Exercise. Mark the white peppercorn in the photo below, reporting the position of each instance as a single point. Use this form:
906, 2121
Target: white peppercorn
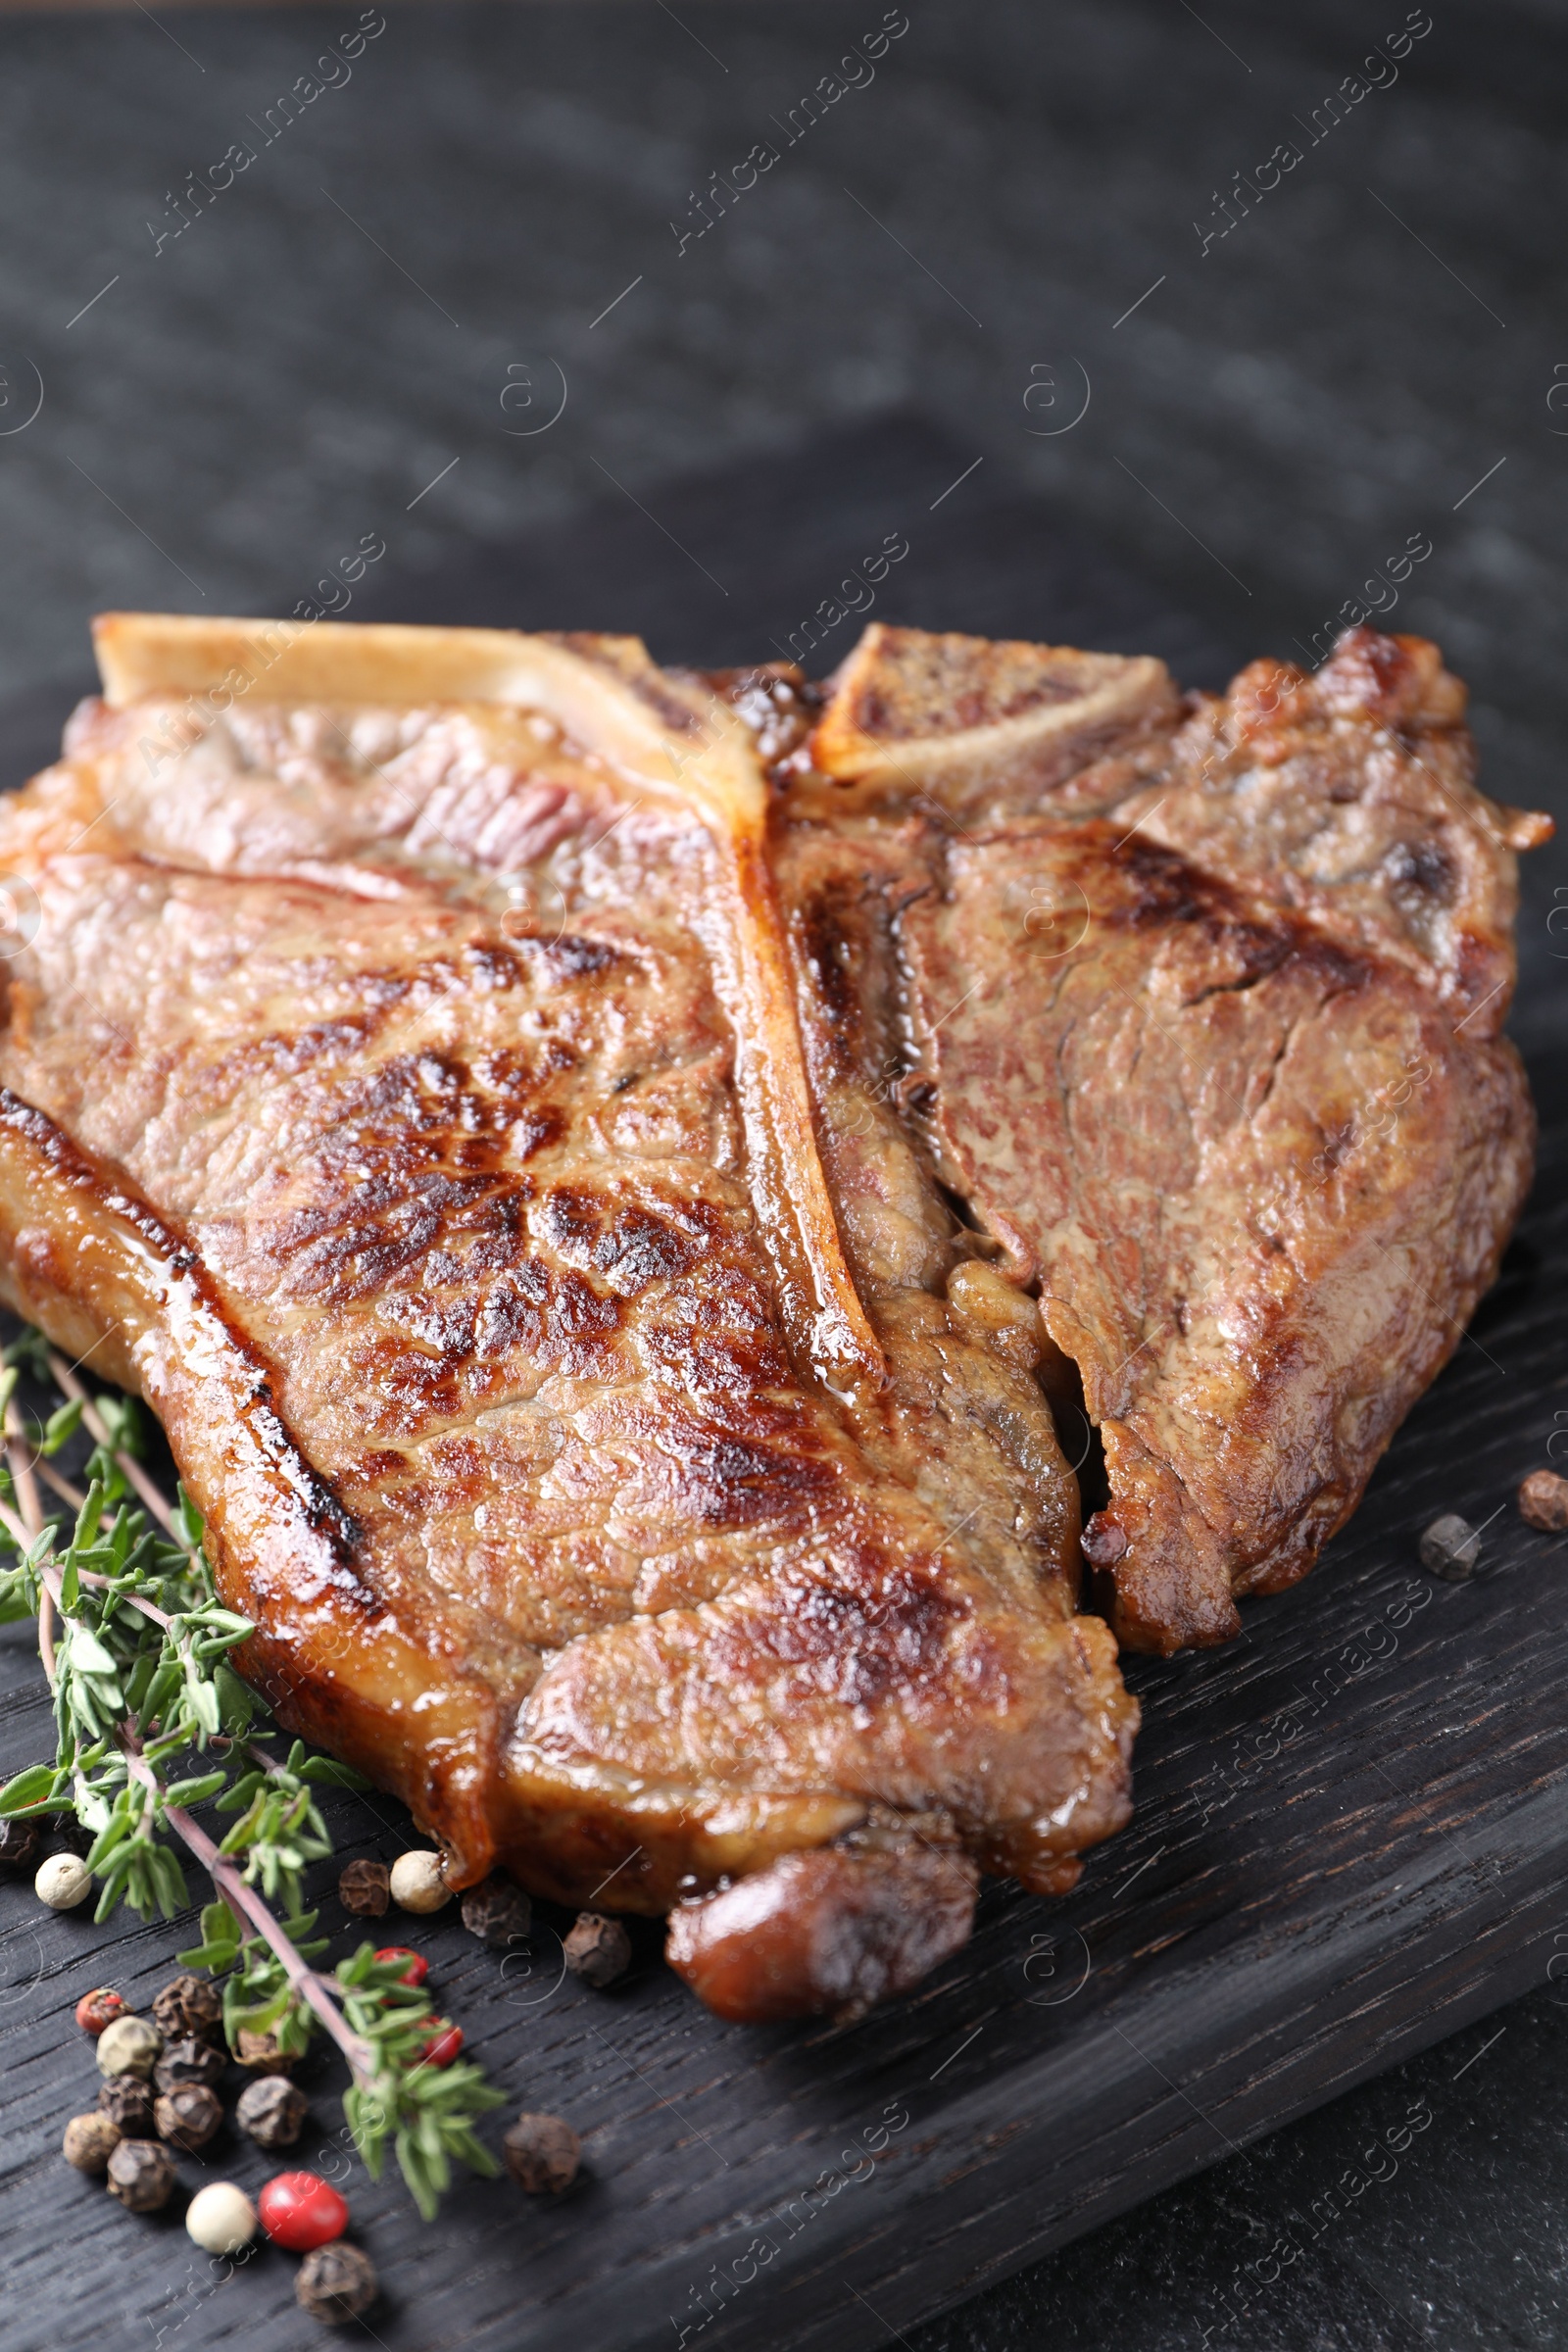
220, 2218
63, 1882
416, 1882
129, 2047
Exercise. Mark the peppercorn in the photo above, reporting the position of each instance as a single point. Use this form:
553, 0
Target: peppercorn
127, 2101
1450, 1548
364, 1888
542, 2153
336, 2282
63, 1882
497, 1912
189, 2005
141, 2174
271, 2111
598, 1950
18, 1845
301, 2210
261, 2053
90, 2141
190, 2061
188, 2115
1542, 1501
416, 1882
100, 2008
70, 1836
419, 1967
220, 2218
442, 2049
129, 2047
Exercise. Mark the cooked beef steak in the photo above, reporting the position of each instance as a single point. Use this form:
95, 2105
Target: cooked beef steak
1203, 1024
610, 1179
406, 1093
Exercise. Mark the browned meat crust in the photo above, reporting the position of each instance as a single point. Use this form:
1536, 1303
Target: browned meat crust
838, 1929
604, 1176
401, 1100
1204, 1025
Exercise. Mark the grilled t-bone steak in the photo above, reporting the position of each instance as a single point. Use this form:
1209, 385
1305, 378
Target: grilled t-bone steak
599, 1172
405, 1094
1201, 1015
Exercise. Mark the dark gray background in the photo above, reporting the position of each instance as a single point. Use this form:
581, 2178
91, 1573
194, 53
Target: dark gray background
1271, 423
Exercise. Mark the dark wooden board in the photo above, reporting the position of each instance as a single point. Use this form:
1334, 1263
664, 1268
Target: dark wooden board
1351, 1831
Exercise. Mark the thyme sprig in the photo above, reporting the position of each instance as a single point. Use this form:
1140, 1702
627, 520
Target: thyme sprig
135, 1643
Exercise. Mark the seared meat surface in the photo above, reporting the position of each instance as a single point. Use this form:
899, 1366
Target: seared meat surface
396, 1099
605, 1176
1202, 1024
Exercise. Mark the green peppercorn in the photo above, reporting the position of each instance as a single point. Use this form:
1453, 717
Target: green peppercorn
129, 2047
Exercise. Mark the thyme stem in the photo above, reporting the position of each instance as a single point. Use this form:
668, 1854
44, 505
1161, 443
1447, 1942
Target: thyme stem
126, 1464
242, 1898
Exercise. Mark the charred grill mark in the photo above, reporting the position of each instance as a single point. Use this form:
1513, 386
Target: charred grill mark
691, 1469
447, 1353
858, 1643
347, 1250
569, 958
627, 1243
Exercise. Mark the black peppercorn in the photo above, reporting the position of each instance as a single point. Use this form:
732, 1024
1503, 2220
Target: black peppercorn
497, 1912
189, 2061
365, 1889
542, 2153
271, 2111
335, 2282
69, 1837
127, 2101
141, 2174
1450, 1548
261, 2053
18, 1845
598, 1950
188, 2116
190, 2005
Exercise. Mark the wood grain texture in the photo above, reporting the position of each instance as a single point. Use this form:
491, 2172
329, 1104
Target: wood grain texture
1351, 1838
